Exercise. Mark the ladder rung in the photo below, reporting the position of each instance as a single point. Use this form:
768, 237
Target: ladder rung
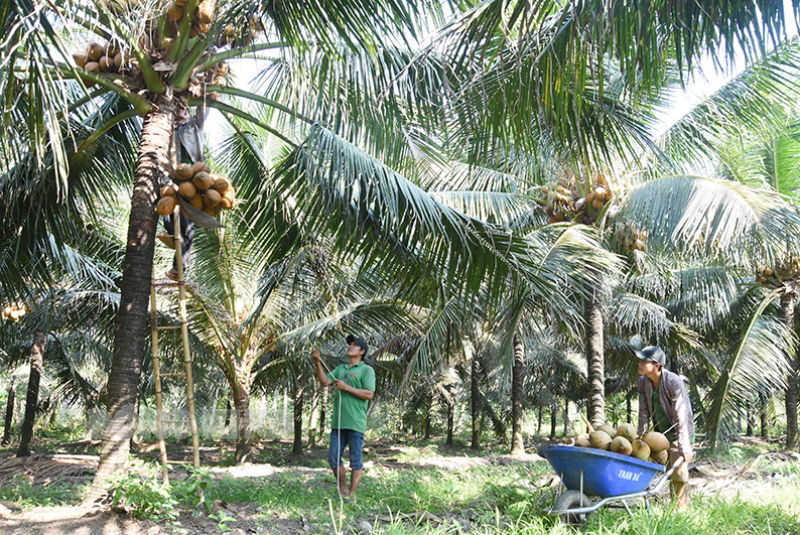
180, 283
179, 462
168, 327
174, 421
172, 375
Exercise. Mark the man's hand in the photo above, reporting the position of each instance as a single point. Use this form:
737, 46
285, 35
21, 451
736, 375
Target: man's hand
341, 385
315, 354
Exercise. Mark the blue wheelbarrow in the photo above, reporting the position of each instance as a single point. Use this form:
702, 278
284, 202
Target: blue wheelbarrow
611, 477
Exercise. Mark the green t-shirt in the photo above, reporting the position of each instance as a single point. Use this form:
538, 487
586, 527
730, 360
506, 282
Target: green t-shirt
659, 414
353, 413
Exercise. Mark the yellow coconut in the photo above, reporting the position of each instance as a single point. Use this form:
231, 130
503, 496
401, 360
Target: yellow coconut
661, 457
211, 198
608, 429
599, 193
621, 445
583, 442
202, 181
106, 63
225, 203
640, 449
598, 439
222, 184
173, 12
200, 167
80, 59
197, 202
597, 203
94, 51
167, 191
205, 11
628, 431
222, 69
187, 190
92, 66
166, 206
183, 171
656, 441
118, 60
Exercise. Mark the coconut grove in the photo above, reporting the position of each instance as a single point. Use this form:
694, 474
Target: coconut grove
558, 238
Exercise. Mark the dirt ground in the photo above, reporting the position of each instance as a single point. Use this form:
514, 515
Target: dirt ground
706, 478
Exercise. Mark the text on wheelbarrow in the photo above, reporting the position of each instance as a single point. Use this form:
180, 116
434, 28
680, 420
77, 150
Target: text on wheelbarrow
630, 476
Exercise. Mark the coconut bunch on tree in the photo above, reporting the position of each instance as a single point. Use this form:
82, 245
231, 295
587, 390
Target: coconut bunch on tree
195, 185
651, 446
13, 311
784, 271
111, 57
576, 200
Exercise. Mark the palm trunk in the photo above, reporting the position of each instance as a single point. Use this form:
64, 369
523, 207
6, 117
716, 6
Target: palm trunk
9, 421
539, 421
323, 409
312, 421
595, 359
241, 402
297, 444
787, 311
32, 400
553, 420
132, 315
476, 404
629, 407
764, 406
427, 426
228, 409
566, 417
450, 413
517, 444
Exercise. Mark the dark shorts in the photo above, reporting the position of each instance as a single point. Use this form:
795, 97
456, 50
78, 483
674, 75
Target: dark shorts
340, 439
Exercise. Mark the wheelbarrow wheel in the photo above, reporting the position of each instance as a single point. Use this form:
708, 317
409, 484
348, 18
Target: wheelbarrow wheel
572, 499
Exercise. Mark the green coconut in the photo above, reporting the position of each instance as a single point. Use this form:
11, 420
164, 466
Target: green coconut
598, 439
628, 431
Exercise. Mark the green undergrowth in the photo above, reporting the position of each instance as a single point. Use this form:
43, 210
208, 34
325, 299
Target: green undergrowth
19, 491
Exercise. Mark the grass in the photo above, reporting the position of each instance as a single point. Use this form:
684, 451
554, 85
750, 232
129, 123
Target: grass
19, 491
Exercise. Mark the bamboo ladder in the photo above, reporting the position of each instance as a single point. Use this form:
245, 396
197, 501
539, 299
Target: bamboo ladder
187, 357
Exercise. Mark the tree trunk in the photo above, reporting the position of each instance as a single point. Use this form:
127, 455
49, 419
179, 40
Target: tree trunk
787, 311
297, 444
751, 419
553, 419
323, 409
539, 421
9, 421
595, 358
566, 417
450, 413
476, 404
241, 402
629, 407
132, 315
517, 444
285, 425
32, 400
312, 421
228, 408
764, 406
427, 425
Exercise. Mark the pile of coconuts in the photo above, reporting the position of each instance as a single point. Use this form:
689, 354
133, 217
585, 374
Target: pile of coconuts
563, 201
198, 187
652, 446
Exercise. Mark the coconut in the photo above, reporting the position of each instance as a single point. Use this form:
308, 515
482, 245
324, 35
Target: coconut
220, 81
187, 190
598, 439
94, 51
599, 193
583, 443
211, 198
92, 66
202, 180
106, 63
639, 245
640, 449
222, 184
559, 215
597, 203
551, 220
608, 195
225, 203
205, 11
661, 457
548, 209
173, 12
183, 171
608, 429
167, 191
197, 202
628, 431
80, 59
222, 69
166, 206
118, 60
656, 441
621, 445
199, 167
580, 204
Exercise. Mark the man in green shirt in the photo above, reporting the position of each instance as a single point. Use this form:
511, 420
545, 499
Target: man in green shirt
664, 407
355, 384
